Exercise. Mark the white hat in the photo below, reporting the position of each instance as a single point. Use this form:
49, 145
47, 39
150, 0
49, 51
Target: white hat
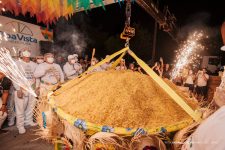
71, 57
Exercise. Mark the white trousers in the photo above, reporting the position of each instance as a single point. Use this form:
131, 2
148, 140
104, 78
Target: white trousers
24, 109
2, 116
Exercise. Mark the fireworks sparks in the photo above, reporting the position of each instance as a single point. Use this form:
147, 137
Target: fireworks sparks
188, 53
11, 70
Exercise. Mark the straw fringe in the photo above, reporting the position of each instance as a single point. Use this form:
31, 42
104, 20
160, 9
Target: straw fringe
75, 135
106, 140
182, 135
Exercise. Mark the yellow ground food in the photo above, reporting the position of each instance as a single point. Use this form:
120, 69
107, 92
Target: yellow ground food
120, 99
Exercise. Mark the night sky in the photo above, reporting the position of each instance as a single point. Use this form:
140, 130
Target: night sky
101, 28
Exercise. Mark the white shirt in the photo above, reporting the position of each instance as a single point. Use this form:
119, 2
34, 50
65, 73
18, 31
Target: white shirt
210, 134
70, 71
28, 68
201, 80
189, 80
50, 73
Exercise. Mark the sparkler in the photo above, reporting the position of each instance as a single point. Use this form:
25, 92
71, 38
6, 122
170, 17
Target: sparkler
11, 70
188, 53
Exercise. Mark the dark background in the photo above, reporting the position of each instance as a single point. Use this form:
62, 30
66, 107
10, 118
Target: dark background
101, 29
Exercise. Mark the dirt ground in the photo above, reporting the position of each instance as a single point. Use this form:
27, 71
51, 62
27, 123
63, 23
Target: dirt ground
12, 140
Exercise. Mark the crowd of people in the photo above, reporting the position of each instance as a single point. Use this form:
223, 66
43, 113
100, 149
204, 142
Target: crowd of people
196, 81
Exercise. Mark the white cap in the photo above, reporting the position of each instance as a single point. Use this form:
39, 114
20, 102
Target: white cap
71, 57
107, 56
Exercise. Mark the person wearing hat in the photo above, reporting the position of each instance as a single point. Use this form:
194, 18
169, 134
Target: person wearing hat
50, 74
71, 68
24, 101
78, 67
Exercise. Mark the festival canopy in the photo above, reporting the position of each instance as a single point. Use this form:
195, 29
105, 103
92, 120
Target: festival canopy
48, 11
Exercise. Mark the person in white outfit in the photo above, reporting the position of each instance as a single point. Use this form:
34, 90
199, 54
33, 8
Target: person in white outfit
39, 60
189, 82
202, 79
72, 68
50, 74
5, 84
24, 101
77, 65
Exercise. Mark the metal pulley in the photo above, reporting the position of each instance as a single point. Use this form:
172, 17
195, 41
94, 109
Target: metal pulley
128, 32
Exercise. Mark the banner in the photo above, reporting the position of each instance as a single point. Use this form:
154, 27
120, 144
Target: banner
16, 35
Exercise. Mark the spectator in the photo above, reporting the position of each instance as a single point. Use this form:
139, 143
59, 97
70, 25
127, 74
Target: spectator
189, 82
50, 74
131, 67
77, 65
5, 84
122, 65
178, 80
83, 64
87, 62
167, 72
140, 70
24, 101
202, 79
69, 68
157, 69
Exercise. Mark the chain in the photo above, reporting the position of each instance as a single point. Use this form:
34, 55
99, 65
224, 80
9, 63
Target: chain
128, 16
127, 44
